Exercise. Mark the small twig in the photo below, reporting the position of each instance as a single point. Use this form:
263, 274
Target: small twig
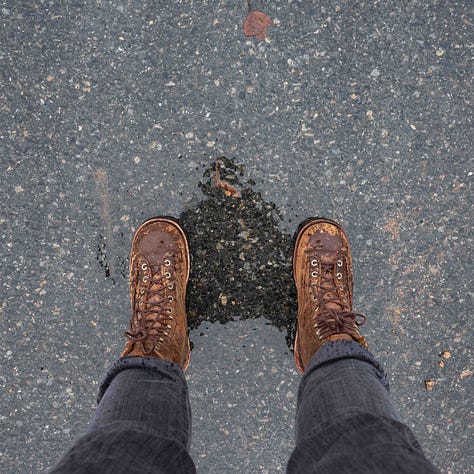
226, 186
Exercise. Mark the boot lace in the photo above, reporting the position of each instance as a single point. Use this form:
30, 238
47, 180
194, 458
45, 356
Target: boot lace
151, 317
329, 320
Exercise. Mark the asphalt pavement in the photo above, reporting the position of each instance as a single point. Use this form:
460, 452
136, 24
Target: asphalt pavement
116, 111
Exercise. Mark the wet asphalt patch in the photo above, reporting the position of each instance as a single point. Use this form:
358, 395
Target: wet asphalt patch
241, 264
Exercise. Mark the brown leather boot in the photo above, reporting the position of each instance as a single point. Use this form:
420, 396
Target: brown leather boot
159, 271
322, 269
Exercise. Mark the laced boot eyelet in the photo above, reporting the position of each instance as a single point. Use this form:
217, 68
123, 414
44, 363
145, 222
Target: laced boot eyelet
314, 274
339, 263
339, 276
167, 275
170, 298
145, 279
314, 262
170, 286
144, 266
167, 263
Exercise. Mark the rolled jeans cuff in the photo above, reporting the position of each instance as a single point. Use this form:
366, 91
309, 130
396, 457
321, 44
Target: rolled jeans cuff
338, 350
163, 368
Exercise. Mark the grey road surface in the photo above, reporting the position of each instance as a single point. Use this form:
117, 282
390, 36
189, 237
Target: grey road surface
114, 111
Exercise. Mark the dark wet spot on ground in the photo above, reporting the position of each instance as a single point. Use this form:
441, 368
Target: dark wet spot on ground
241, 262
102, 257
120, 262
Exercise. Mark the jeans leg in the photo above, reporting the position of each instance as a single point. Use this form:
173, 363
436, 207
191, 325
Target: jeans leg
346, 421
142, 423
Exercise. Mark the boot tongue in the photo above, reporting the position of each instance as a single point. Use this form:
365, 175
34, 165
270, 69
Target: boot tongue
330, 243
327, 260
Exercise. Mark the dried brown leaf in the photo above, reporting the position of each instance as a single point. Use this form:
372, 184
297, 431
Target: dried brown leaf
256, 24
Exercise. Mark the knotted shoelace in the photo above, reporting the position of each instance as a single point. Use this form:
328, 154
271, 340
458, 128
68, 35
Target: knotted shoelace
331, 321
150, 321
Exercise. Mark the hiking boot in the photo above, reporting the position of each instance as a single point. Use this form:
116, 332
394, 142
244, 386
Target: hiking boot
322, 269
159, 271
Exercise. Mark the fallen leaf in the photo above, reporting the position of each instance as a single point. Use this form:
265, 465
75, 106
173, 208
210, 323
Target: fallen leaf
256, 24
466, 373
222, 184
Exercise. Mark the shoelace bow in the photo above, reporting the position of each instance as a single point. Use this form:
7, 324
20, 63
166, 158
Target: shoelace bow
331, 321
150, 320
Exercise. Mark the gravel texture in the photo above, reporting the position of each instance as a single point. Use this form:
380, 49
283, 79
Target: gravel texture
115, 111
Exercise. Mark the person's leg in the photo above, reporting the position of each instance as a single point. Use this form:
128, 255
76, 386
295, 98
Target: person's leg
345, 421
143, 421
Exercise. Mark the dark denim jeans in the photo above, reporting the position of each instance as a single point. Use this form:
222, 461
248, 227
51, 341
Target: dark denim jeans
345, 420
